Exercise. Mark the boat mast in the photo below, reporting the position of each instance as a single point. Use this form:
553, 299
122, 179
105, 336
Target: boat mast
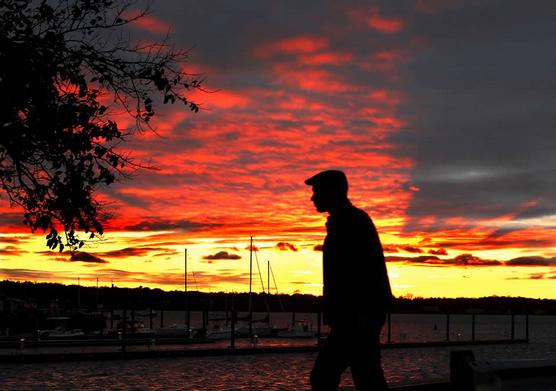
186, 303
78, 293
250, 286
268, 287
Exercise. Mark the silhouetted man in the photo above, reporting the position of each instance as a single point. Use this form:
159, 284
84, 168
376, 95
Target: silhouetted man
356, 292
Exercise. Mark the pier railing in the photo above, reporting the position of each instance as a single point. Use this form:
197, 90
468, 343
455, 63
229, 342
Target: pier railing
449, 329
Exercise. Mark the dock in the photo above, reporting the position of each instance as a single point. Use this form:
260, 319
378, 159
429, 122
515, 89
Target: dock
17, 351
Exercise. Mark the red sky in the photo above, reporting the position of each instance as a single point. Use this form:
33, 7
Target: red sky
436, 111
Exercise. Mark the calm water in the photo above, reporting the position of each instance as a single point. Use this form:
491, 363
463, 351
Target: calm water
405, 327
285, 371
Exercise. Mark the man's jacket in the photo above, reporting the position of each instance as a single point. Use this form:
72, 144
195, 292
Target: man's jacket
356, 286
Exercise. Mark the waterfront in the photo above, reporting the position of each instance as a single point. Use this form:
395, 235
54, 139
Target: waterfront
254, 372
273, 371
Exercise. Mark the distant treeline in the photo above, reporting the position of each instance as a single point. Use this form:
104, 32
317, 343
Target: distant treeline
71, 297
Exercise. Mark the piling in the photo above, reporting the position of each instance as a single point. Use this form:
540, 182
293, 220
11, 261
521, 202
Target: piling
513, 327
389, 327
233, 330
319, 321
447, 327
124, 329
527, 327
473, 327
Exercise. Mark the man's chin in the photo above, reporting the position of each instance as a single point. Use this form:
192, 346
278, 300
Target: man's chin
320, 209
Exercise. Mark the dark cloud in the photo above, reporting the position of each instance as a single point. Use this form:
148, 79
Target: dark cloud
31, 275
221, 255
157, 224
460, 260
137, 252
99, 257
531, 261
11, 219
83, 256
481, 90
285, 246
471, 260
254, 248
423, 259
317, 247
535, 276
525, 241
128, 252
11, 250
390, 249
9, 240
411, 249
440, 251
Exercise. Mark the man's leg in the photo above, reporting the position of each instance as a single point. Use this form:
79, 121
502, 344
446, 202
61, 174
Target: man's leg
366, 367
331, 362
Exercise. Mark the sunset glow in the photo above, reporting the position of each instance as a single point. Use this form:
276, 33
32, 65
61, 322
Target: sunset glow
445, 133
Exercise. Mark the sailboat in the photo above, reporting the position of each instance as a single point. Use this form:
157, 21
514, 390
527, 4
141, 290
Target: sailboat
301, 328
246, 327
183, 330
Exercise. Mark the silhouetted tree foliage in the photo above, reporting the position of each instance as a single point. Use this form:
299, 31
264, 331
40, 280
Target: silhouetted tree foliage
60, 61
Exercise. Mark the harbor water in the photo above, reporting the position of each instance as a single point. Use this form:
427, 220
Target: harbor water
289, 371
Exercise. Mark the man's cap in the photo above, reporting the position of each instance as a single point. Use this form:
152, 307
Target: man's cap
330, 179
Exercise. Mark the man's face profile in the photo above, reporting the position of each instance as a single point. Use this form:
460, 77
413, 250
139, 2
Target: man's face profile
321, 199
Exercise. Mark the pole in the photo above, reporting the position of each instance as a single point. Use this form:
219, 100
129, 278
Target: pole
472, 327
447, 327
268, 287
250, 287
233, 325
389, 327
233, 329
186, 302
97, 294
319, 321
513, 326
124, 329
527, 327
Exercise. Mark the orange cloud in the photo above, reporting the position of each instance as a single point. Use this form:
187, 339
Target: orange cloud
312, 79
373, 18
152, 25
462, 260
285, 246
326, 58
295, 45
387, 25
83, 256
222, 99
221, 255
